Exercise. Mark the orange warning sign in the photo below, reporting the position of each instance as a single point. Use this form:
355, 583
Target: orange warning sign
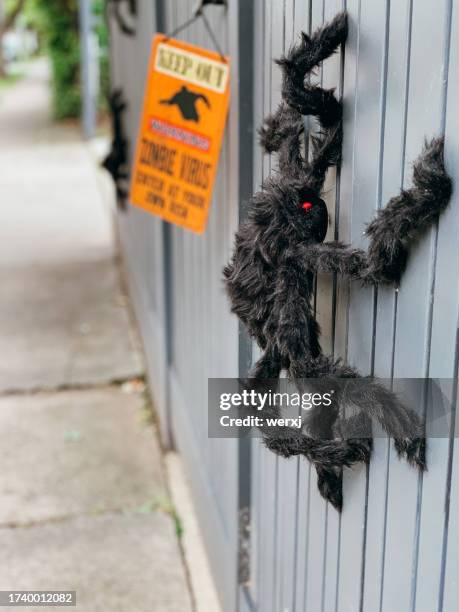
182, 124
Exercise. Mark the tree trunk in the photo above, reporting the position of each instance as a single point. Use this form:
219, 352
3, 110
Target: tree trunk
2, 59
6, 22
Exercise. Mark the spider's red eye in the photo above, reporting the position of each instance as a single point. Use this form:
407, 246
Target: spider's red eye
306, 205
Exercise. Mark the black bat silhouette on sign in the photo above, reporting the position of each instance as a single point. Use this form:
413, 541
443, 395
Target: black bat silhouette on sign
186, 101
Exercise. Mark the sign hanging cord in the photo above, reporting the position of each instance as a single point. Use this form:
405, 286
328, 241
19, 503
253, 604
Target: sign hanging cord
212, 36
181, 27
199, 13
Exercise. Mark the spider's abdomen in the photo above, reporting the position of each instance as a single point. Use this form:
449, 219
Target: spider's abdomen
249, 281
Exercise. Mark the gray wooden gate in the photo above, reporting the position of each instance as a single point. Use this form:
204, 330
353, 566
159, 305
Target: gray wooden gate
205, 337
395, 548
175, 281
143, 236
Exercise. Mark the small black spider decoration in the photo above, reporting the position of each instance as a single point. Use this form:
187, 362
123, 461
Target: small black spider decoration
116, 162
278, 250
114, 8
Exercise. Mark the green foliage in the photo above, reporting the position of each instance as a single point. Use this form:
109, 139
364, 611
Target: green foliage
12, 9
101, 29
65, 58
33, 17
163, 503
9, 79
57, 21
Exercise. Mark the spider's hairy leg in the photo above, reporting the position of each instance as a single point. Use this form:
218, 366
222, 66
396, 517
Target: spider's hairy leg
264, 378
312, 100
363, 399
414, 450
268, 365
393, 230
116, 100
333, 257
291, 161
284, 122
291, 323
328, 454
301, 60
115, 6
326, 153
356, 441
401, 423
314, 49
330, 485
322, 43
245, 279
331, 443
328, 457
283, 132
409, 214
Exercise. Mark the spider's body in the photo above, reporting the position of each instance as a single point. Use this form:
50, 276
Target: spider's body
269, 286
283, 215
280, 247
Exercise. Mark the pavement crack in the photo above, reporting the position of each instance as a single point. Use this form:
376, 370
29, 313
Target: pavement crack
113, 383
67, 517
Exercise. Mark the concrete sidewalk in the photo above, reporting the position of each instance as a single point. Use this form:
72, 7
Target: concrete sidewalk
83, 501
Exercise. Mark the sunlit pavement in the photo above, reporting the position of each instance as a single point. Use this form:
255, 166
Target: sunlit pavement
82, 496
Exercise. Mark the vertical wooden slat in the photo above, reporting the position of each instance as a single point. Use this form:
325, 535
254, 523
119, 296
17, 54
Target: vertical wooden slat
269, 461
287, 470
305, 475
303, 11
391, 173
332, 77
277, 47
258, 532
413, 306
316, 525
353, 516
442, 358
449, 576
207, 345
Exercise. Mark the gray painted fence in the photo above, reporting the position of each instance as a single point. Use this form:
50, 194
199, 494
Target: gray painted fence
395, 548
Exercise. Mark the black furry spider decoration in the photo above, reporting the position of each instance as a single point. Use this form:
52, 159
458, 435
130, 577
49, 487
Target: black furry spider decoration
116, 162
115, 6
279, 248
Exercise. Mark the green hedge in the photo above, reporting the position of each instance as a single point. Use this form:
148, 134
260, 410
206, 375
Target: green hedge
65, 59
57, 23
98, 7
